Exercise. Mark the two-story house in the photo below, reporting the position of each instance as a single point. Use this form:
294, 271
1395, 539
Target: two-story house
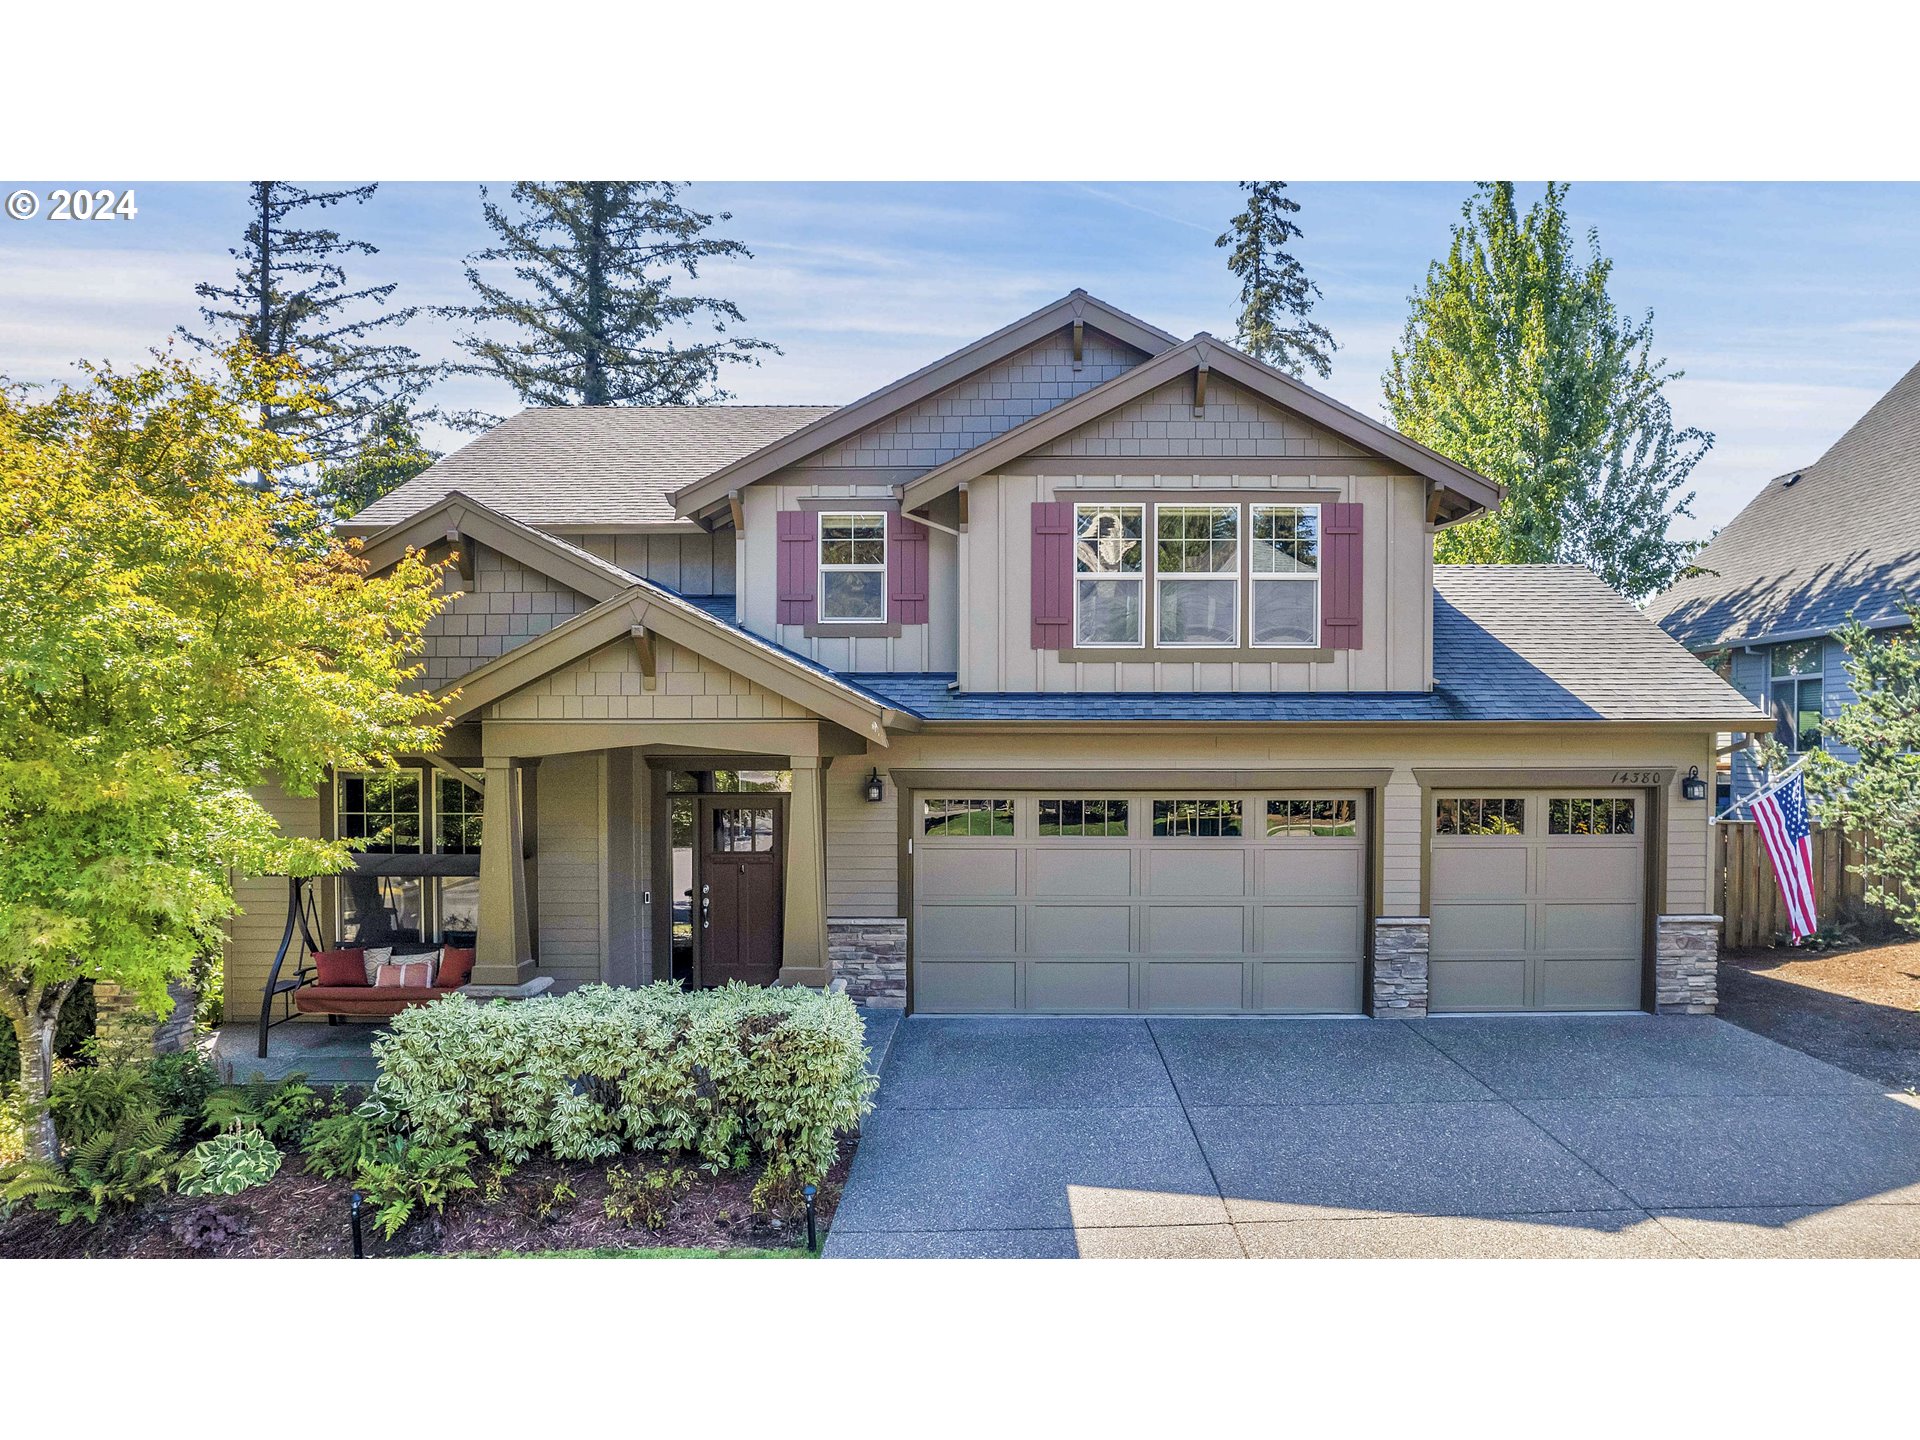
1085, 670
1832, 541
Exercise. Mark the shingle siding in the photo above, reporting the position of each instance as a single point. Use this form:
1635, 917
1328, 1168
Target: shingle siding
1233, 423
506, 605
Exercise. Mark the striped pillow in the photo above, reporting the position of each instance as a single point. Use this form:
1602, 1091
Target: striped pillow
407, 974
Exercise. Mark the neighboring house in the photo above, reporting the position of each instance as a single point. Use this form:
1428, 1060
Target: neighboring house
1832, 541
1086, 670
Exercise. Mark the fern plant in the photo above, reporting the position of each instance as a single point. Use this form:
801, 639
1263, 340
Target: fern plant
229, 1163
281, 1112
337, 1146
113, 1169
408, 1177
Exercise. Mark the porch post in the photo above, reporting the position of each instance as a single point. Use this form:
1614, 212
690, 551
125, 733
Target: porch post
505, 951
803, 953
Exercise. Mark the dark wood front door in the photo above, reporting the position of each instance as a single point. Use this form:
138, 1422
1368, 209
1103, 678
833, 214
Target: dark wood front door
737, 885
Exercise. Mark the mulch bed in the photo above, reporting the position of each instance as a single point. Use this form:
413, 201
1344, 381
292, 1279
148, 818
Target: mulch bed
1856, 1008
299, 1216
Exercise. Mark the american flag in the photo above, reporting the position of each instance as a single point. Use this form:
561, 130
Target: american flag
1781, 815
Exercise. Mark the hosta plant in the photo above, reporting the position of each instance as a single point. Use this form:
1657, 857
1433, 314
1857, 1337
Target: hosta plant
229, 1163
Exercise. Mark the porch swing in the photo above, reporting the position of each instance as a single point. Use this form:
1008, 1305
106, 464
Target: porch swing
333, 982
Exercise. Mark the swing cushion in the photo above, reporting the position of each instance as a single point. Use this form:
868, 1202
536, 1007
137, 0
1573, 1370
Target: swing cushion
456, 968
340, 967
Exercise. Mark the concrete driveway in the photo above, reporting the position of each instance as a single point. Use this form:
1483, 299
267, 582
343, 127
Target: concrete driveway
1530, 1136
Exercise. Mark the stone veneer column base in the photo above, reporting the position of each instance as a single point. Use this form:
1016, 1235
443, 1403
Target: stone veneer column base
1686, 965
1400, 946
871, 956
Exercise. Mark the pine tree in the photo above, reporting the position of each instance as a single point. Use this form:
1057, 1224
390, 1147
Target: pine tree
391, 453
290, 298
1276, 296
593, 322
1516, 363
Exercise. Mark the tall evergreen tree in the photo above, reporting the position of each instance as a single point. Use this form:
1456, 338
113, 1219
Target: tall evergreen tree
1276, 296
291, 298
593, 321
391, 453
1516, 363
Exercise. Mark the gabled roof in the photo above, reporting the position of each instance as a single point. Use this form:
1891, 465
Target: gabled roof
1512, 644
592, 467
1468, 490
1842, 539
711, 491
461, 514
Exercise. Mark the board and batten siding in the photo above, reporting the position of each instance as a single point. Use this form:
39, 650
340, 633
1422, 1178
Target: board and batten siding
570, 855
693, 564
253, 935
993, 607
863, 842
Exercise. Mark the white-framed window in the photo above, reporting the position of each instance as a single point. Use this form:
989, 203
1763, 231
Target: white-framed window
1109, 574
853, 565
1196, 597
1285, 551
1796, 689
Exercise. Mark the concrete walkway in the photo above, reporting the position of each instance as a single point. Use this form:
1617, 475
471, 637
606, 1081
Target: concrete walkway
1526, 1136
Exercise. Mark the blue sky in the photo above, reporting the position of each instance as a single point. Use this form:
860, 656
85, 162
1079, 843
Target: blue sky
1791, 307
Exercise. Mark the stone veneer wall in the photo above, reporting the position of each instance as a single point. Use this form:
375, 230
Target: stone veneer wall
871, 956
1400, 947
1686, 965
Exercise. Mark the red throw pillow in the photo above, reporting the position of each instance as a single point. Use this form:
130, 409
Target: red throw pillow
340, 967
415, 975
456, 968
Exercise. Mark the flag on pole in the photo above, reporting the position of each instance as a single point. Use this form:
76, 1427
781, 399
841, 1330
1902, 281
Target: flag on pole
1781, 814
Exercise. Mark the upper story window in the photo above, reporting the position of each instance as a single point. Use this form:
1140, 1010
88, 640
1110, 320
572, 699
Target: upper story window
457, 817
1197, 574
1109, 574
1796, 689
1286, 574
853, 565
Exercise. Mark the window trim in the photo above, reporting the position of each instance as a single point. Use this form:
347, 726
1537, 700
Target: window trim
822, 569
1255, 578
1138, 577
1238, 509
1794, 680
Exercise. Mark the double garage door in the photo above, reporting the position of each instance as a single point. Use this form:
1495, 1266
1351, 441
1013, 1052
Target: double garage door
1119, 902
1256, 902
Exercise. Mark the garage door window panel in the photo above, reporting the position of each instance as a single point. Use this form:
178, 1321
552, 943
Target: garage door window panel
1083, 819
1599, 815
1197, 574
1109, 575
967, 818
1322, 819
1203, 819
1480, 816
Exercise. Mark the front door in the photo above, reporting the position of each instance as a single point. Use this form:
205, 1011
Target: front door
736, 909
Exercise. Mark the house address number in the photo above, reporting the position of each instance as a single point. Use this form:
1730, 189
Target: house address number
1636, 777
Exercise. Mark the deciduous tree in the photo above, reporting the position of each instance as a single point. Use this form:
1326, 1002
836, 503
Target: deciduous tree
174, 637
1516, 362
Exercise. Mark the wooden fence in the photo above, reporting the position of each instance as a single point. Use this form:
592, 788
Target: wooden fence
1751, 910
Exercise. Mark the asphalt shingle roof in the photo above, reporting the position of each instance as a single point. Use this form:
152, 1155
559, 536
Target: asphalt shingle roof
1511, 643
593, 465
1844, 538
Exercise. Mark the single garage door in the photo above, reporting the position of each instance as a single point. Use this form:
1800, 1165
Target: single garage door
1162, 902
1539, 900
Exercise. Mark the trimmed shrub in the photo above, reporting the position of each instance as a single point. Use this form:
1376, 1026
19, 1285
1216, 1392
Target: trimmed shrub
732, 1075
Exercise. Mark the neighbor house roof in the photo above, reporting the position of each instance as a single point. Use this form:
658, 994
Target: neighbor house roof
1511, 643
1843, 538
591, 467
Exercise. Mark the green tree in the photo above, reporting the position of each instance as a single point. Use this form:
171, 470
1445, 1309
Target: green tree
1516, 363
1877, 795
1276, 296
174, 637
291, 299
594, 319
391, 453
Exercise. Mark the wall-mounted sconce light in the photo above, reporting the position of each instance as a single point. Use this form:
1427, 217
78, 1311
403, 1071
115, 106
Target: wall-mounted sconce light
1693, 787
875, 788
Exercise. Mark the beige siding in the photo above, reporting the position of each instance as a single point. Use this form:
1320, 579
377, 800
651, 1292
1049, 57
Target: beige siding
1235, 422
609, 685
506, 605
253, 935
571, 856
995, 608
699, 564
969, 414
916, 648
863, 842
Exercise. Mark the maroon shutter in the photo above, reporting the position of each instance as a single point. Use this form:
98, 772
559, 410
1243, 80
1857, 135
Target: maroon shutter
906, 571
1340, 577
1052, 575
799, 566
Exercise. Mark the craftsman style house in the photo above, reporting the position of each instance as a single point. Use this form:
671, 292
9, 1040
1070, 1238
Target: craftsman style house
1832, 541
1085, 670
